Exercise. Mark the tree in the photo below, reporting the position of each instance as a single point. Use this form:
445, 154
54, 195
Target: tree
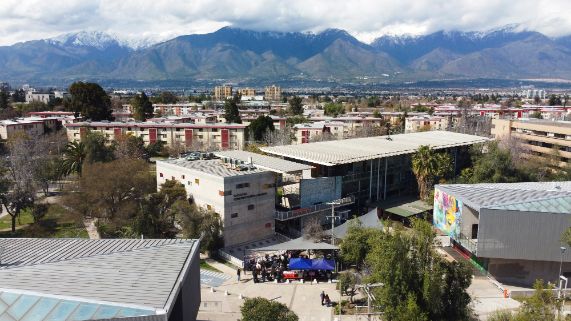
74, 155
96, 148
260, 309
333, 109
142, 107
555, 100
354, 247
4, 99
90, 100
231, 112
313, 230
429, 165
417, 282
167, 97
494, 166
46, 172
198, 222
115, 193
296, 106
536, 114
129, 146
19, 96
260, 126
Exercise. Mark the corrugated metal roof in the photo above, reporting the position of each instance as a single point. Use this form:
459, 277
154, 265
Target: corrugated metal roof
560, 205
143, 273
265, 162
359, 149
479, 196
213, 167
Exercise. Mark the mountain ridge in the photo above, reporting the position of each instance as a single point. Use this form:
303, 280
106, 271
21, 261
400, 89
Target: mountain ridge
231, 53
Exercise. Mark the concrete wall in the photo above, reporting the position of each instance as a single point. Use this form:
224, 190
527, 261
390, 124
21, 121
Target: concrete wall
469, 217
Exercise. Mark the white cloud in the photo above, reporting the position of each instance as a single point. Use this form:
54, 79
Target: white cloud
22, 20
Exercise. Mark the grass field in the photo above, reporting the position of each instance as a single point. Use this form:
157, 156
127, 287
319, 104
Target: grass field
206, 266
57, 223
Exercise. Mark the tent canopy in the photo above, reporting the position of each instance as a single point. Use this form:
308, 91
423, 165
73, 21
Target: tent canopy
323, 264
298, 244
368, 220
300, 264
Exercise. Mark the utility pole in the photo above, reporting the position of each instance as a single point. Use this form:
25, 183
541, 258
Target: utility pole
333, 217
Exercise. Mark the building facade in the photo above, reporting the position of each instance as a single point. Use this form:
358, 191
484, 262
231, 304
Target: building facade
546, 140
250, 92
426, 123
222, 92
273, 93
243, 196
189, 135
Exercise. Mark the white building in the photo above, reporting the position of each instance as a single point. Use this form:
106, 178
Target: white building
425, 123
242, 195
33, 96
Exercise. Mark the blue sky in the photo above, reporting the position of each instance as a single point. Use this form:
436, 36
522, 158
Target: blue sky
22, 20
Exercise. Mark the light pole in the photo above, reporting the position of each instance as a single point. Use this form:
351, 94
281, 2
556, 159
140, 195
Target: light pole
560, 269
333, 217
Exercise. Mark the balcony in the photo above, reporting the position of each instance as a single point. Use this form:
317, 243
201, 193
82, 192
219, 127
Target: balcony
318, 208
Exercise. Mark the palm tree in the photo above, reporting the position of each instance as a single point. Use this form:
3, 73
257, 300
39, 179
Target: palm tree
74, 155
427, 166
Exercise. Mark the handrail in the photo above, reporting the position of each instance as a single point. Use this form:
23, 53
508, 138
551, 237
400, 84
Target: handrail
284, 215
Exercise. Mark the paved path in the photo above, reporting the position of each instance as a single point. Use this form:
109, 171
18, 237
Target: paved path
212, 279
487, 298
91, 228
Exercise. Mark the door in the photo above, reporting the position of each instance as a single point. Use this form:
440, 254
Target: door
225, 139
152, 135
188, 137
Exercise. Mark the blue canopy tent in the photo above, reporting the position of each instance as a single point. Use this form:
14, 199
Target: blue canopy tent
323, 264
300, 264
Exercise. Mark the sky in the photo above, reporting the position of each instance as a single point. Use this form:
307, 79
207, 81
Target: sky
135, 20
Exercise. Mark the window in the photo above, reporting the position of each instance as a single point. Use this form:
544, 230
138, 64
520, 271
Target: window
208, 207
251, 207
196, 181
182, 176
161, 174
234, 215
189, 183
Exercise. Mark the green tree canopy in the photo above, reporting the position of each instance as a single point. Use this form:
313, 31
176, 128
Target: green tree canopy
166, 97
90, 100
333, 109
97, 148
260, 309
231, 112
296, 106
428, 166
142, 107
260, 126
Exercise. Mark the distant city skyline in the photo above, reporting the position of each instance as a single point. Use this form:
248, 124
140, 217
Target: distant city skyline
152, 21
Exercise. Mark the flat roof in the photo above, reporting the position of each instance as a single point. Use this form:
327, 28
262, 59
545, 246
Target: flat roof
345, 151
83, 279
552, 197
270, 163
213, 167
545, 122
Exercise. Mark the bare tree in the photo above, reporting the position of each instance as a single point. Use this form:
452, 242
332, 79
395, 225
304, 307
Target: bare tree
313, 230
278, 137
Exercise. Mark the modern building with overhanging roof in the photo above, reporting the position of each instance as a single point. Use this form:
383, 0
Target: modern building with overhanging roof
81, 279
375, 168
513, 230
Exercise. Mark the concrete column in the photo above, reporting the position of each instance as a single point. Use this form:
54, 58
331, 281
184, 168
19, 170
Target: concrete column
385, 184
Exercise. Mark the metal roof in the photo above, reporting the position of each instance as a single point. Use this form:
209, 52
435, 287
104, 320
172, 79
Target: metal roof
559, 205
213, 167
345, 151
270, 163
527, 196
138, 274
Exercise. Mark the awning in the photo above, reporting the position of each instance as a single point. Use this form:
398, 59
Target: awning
323, 264
406, 208
300, 264
368, 220
298, 244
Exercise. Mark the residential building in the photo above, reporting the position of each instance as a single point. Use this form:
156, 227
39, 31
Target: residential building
513, 230
426, 123
273, 93
249, 92
13, 127
543, 139
222, 92
317, 131
108, 279
177, 109
34, 96
193, 136
243, 195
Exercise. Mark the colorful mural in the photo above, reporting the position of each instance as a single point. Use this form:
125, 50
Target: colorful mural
447, 214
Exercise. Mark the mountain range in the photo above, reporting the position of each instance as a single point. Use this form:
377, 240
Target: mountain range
232, 54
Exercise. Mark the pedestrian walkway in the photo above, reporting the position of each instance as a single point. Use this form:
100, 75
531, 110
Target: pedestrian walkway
212, 279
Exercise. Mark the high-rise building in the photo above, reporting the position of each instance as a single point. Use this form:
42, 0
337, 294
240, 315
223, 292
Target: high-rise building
273, 93
222, 92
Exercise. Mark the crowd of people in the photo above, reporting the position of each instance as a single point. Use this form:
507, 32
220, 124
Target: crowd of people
267, 268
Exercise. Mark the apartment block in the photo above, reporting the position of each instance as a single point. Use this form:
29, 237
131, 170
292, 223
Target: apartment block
310, 132
426, 123
250, 92
193, 136
242, 195
222, 92
273, 93
548, 140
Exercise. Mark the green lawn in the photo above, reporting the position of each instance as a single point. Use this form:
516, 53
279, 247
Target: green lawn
206, 266
24, 219
57, 223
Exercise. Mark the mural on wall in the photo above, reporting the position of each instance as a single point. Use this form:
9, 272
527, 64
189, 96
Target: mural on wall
447, 213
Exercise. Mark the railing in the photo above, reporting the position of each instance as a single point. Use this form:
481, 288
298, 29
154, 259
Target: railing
468, 244
234, 260
282, 216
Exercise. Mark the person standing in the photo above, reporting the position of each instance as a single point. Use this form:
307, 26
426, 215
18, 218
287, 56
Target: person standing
322, 295
238, 271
